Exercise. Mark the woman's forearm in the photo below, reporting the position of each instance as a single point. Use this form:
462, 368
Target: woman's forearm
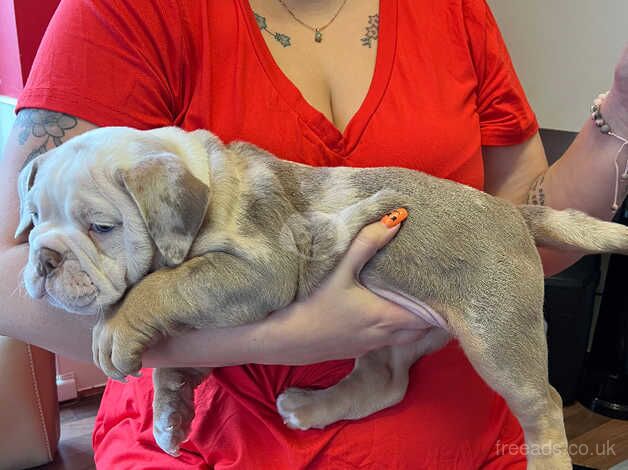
341, 319
68, 334
208, 347
584, 178
35, 321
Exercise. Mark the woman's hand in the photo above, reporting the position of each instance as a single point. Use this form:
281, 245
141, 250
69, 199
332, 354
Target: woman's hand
615, 109
342, 319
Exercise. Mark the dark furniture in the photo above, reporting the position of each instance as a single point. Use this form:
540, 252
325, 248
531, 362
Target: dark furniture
604, 387
569, 302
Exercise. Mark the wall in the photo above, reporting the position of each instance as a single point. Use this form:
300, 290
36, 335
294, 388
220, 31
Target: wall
7, 116
564, 52
10, 67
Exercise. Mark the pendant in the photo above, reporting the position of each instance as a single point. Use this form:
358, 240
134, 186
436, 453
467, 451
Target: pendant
318, 36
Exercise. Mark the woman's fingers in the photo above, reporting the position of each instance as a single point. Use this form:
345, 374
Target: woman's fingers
367, 243
342, 318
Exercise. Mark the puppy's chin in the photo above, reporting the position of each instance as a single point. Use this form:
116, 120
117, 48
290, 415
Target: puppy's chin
83, 306
33, 283
70, 289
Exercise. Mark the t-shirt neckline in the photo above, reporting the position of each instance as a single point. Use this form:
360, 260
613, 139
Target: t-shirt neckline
339, 142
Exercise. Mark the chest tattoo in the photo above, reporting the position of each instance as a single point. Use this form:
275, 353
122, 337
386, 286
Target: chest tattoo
372, 31
282, 39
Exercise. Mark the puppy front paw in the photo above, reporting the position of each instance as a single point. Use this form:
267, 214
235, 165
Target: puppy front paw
173, 406
117, 348
171, 424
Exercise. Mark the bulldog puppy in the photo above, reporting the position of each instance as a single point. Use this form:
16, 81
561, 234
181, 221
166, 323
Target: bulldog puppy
163, 231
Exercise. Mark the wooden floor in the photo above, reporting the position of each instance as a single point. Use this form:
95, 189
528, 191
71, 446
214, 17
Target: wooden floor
75, 447
595, 441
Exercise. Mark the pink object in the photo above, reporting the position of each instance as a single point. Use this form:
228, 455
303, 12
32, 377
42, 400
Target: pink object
22, 25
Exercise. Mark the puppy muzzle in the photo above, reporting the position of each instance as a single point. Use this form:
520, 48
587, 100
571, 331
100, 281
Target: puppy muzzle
48, 261
64, 283
59, 276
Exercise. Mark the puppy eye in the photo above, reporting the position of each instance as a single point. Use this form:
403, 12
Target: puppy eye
101, 228
34, 218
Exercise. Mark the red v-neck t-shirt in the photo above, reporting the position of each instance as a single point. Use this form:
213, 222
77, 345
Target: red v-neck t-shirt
443, 86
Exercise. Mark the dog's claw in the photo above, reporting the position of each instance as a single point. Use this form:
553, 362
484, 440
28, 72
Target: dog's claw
171, 428
173, 452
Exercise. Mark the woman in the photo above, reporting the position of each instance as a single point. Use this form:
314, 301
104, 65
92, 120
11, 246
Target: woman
425, 85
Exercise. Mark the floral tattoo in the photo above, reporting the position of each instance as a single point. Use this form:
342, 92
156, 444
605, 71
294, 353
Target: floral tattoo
372, 31
42, 124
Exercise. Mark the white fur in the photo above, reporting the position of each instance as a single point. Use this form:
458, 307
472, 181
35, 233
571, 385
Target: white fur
97, 268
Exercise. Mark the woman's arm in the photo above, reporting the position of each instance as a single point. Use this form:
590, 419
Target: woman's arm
583, 178
34, 132
342, 319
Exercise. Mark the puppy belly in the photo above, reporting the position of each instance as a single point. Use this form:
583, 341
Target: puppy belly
420, 309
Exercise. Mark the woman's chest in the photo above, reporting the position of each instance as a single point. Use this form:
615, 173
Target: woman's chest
412, 105
326, 49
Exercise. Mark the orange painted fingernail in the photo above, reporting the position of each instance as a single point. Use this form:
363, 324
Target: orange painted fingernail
395, 217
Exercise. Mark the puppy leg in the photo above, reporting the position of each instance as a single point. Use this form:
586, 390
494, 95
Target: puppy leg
379, 379
509, 351
173, 405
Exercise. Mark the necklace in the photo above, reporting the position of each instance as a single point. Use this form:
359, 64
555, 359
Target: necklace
318, 31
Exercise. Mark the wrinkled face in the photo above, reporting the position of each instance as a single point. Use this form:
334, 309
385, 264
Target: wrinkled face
106, 207
88, 243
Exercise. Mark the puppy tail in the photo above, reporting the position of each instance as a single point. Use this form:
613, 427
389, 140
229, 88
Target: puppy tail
573, 230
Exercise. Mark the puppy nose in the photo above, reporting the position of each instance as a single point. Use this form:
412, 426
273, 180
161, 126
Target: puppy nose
48, 261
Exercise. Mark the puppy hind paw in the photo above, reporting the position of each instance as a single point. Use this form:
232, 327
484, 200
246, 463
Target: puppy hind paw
300, 408
291, 420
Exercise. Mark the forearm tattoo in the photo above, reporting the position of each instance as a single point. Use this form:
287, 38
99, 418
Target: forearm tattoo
536, 196
372, 31
48, 126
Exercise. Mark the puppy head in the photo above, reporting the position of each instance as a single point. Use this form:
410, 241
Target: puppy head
103, 209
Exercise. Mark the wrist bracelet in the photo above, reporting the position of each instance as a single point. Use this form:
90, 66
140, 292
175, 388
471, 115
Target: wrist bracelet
605, 128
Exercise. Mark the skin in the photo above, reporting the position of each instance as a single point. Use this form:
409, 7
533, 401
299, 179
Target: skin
582, 179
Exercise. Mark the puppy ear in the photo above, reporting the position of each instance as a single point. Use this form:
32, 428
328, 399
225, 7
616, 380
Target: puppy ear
25, 182
171, 200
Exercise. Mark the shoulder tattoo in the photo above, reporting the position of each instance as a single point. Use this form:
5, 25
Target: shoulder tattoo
49, 127
536, 196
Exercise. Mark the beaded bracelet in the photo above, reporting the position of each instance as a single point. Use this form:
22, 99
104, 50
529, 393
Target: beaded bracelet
605, 128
